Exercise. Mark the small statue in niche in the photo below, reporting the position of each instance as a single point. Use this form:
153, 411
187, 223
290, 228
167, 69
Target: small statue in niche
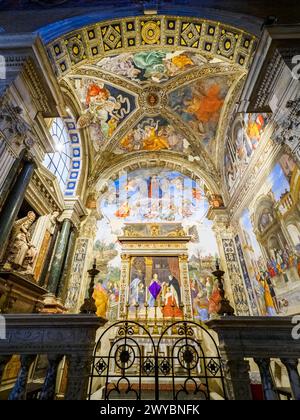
21, 252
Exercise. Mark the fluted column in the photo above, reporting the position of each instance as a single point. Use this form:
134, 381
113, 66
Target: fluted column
13, 203
266, 379
59, 257
292, 369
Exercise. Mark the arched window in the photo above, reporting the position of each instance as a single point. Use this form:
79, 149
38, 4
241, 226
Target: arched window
59, 163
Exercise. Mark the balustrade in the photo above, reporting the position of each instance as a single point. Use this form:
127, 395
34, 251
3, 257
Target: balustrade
56, 336
262, 339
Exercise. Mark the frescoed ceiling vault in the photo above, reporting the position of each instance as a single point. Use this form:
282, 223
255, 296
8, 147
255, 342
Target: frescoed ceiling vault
154, 84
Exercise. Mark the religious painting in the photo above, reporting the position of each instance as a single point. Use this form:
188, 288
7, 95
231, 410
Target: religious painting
203, 255
105, 108
155, 281
153, 134
154, 195
151, 66
107, 255
199, 105
271, 240
243, 139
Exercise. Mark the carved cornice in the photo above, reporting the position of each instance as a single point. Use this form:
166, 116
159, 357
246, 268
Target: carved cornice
44, 193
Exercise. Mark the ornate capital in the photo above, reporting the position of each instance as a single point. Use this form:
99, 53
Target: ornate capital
13, 128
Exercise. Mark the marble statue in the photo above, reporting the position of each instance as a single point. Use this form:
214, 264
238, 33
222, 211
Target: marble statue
21, 252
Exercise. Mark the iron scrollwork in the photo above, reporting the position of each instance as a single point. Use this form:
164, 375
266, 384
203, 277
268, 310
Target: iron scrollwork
135, 365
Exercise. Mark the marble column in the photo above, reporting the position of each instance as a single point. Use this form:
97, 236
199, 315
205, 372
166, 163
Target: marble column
10, 178
68, 262
59, 257
236, 375
45, 270
19, 390
292, 369
48, 391
269, 390
13, 203
79, 367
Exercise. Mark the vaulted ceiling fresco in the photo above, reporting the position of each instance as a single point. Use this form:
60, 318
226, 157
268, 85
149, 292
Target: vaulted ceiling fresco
155, 84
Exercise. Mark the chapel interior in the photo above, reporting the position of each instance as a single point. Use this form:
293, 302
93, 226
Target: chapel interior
149, 200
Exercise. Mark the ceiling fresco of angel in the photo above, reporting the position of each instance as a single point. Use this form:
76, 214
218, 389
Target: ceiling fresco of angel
153, 134
104, 108
199, 105
152, 66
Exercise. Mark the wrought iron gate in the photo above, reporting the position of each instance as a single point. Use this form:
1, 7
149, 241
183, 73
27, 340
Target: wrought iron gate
132, 361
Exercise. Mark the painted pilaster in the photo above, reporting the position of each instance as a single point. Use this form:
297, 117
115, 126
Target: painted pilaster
184, 276
234, 285
78, 280
124, 285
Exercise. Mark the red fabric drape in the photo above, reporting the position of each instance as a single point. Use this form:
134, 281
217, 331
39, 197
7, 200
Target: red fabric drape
174, 267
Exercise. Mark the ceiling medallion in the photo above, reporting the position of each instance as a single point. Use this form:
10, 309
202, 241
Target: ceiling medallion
152, 99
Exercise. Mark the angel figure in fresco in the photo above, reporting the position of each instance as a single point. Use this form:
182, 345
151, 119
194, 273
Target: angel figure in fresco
206, 107
101, 107
254, 128
122, 65
123, 211
153, 141
177, 62
152, 64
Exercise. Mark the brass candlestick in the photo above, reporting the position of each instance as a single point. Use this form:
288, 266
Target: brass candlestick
155, 328
89, 306
174, 329
146, 314
225, 308
181, 306
136, 317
